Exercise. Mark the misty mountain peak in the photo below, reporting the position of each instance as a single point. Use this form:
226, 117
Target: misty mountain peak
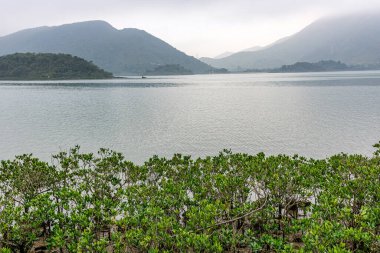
352, 38
90, 23
126, 51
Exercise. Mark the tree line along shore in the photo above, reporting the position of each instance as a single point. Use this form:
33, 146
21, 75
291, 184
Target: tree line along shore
231, 202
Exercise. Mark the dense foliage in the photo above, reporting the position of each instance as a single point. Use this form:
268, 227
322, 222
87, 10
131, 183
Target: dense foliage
30, 66
313, 67
227, 203
321, 66
169, 69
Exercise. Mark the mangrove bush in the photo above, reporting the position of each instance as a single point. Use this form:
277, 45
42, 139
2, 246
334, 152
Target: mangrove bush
232, 202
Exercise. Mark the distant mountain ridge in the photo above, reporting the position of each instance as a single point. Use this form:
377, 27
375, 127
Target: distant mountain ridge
126, 51
223, 55
353, 39
251, 49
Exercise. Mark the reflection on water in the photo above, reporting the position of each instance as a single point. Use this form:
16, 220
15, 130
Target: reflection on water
314, 114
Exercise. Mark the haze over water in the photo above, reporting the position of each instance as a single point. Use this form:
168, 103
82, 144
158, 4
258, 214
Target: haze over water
312, 114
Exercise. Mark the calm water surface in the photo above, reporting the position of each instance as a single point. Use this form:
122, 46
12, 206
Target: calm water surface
313, 114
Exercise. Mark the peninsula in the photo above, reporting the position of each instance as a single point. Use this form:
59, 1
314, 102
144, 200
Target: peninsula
48, 66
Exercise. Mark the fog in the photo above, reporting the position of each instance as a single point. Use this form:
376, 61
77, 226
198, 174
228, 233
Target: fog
199, 28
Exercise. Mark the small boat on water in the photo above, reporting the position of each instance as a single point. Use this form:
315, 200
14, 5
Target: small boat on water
143, 77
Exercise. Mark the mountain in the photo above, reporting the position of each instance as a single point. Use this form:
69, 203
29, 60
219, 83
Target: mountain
126, 51
353, 39
226, 54
30, 66
252, 49
222, 55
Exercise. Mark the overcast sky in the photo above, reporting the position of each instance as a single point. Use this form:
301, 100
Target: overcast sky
197, 27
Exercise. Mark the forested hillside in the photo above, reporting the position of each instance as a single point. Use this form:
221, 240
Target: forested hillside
30, 66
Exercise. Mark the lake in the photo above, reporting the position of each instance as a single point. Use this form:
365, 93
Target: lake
312, 114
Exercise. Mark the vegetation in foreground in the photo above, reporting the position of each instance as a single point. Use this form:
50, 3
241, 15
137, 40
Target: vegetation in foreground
31, 66
227, 203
